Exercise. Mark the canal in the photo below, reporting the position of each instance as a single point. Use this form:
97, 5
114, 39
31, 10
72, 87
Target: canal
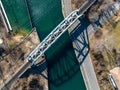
63, 68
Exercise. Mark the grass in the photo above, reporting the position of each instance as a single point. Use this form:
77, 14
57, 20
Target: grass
113, 42
17, 33
21, 32
116, 33
12, 43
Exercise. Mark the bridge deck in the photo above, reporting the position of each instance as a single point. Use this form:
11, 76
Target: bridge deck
47, 42
58, 31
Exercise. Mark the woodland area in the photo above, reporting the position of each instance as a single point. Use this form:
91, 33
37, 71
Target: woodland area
105, 50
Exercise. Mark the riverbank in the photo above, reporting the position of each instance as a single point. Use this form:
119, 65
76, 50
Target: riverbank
105, 50
15, 56
66, 7
87, 73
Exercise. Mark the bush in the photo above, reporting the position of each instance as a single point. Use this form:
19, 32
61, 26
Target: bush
34, 84
98, 56
12, 43
22, 32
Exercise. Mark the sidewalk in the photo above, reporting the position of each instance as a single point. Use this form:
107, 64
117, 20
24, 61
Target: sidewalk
87, 67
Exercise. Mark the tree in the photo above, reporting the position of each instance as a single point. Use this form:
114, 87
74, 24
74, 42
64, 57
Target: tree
34, 84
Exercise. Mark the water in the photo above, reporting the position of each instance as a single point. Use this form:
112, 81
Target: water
17, 14
64, 72
63, 68
45, 15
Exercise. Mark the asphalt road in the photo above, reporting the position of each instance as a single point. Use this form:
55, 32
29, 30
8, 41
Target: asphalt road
24, 67
87, 67
66, 7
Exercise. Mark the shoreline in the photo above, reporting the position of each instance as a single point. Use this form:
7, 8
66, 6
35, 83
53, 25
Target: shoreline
66, 9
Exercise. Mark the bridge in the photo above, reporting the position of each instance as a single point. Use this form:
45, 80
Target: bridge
57, 32
49, 40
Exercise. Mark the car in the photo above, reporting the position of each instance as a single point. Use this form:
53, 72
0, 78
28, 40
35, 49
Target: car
113, 82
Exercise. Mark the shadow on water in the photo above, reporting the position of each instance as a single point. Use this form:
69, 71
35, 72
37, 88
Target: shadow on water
64, 65
80, 40
60, 68
61, 60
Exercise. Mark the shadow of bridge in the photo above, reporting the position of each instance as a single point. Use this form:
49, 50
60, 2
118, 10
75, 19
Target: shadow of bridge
64, 65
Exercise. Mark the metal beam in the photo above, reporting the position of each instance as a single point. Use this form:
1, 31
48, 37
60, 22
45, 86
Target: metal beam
57, 32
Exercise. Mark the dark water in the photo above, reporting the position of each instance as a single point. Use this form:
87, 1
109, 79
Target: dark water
17, 14
64, 72
63, 68
46, 14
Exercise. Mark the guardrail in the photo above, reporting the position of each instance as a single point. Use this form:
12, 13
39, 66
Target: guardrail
46, 43
56, 33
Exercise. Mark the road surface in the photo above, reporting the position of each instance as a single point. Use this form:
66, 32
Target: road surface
87, 66
23, 68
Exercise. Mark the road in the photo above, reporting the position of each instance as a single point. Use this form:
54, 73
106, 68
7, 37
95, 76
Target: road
11, 80
87, 66
24, 67
87, 70
66, 7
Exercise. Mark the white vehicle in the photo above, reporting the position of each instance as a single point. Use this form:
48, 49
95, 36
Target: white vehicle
113, 82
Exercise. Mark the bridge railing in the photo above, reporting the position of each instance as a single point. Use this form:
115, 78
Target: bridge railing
53, 36
56, 33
